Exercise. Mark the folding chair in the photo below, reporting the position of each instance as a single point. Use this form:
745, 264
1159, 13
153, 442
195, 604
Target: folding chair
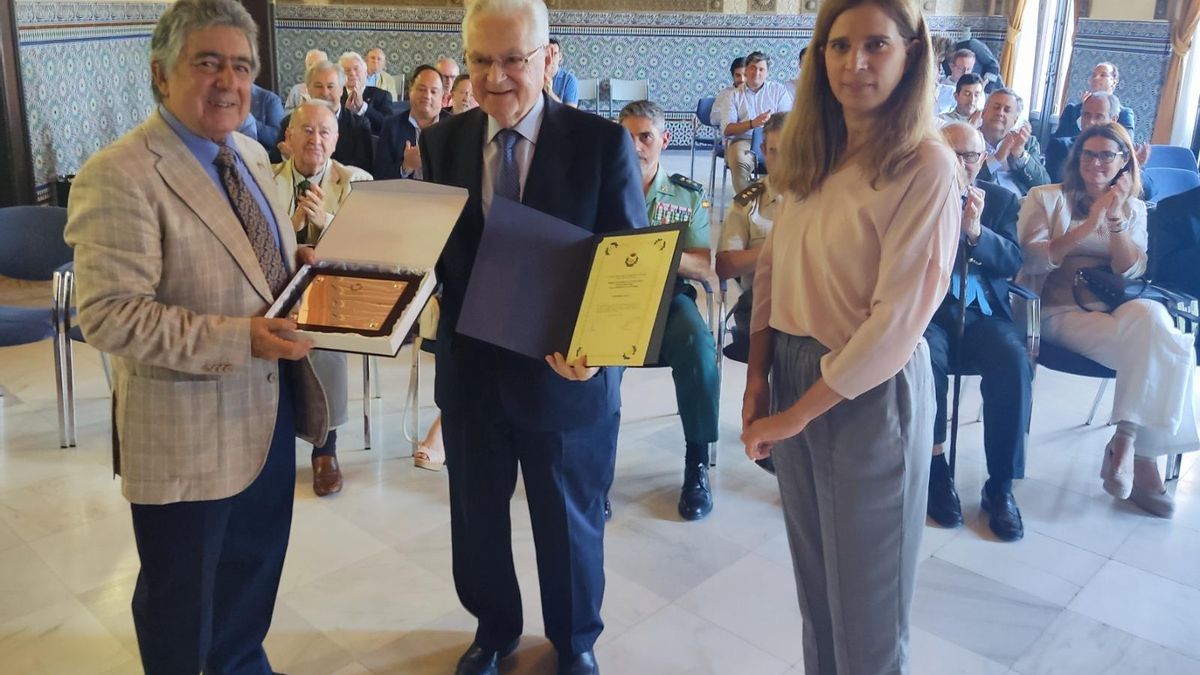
625, 91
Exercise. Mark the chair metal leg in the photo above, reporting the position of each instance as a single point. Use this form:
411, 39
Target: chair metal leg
107, 368
56, 315
1174, 464
410, 421
366, 366
979, 415
375, 386
1096, 403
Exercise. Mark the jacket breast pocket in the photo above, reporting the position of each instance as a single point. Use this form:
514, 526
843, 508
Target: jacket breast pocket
168, 429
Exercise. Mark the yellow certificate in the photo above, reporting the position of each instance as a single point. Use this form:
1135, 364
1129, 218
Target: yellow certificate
624, 294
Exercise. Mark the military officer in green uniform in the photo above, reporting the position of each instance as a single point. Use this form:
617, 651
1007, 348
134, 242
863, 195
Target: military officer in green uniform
687, 344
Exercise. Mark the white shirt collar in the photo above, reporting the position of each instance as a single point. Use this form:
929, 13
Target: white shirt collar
529, 127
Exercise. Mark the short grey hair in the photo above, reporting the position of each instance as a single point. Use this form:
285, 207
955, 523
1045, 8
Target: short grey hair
1111, 100
311, 103
534, 9
1009, 92
322, 66
352, 56
646, 109
316, 52
965, 128
185, 17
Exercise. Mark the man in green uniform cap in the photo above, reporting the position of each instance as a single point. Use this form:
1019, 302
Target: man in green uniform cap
687, 344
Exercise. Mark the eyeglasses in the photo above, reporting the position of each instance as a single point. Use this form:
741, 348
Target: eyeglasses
969, 157
1104, 156
509, 64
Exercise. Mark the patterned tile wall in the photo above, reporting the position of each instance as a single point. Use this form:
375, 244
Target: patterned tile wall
84, 64
683, 56
1141, 51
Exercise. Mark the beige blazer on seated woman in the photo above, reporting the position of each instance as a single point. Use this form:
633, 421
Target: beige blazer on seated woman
1046, 215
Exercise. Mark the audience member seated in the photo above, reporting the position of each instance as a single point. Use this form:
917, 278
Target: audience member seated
747, 109
563, 82
447, 68
314, 186
326, 81
991, 345
1093, 219
377, 74
1176, 251
1104, 79
737, 72
968, 101
265, 121
986, 65
397, 155
299, 92
962, 62
1014, 156
687, 343
462, 96
799, 67
1098, 108
359, 98
743, 233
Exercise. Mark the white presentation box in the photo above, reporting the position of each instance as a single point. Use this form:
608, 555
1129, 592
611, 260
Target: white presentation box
375, 268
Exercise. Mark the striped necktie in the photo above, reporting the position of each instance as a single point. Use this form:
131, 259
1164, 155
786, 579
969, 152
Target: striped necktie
507, 182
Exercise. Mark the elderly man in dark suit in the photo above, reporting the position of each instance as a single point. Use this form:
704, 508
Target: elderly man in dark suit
397, 155
991, 344
373, 103
557, 420
327, 81
1014, 157
180, 247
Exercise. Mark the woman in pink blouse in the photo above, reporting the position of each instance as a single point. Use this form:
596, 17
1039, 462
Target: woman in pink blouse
857, 263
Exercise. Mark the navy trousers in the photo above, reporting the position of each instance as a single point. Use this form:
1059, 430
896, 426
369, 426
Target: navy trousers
210, 569
994, 348
567, 474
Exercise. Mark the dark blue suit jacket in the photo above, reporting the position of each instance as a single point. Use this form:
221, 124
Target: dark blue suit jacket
389, 152
584, 171
1175, 245
1068, 121
379, 106
997, 255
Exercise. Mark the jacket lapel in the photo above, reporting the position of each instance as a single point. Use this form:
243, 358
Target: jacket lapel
469, 172
184, 175
547, 175
260, 169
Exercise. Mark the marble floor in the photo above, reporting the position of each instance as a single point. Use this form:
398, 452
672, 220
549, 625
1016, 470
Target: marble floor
1095, 586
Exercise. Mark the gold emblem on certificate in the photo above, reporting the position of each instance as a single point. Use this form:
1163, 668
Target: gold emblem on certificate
344, 302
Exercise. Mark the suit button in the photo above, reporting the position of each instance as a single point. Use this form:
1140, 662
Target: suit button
271, 377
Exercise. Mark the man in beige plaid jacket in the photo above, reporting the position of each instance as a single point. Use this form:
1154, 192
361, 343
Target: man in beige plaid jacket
180, 247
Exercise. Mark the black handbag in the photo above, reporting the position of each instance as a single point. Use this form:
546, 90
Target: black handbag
1114, 290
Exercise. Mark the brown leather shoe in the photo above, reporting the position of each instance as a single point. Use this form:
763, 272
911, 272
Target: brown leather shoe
327, 476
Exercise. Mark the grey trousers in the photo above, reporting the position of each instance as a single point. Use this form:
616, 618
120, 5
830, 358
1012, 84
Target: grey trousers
854, 487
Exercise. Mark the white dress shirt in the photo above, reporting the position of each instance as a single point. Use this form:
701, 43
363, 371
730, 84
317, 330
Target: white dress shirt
719, 105
745, 104
529, 127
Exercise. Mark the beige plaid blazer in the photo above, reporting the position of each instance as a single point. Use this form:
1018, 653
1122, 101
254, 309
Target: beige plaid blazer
167, 283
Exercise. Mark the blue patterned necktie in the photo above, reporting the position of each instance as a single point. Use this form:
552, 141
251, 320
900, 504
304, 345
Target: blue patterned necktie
507, 182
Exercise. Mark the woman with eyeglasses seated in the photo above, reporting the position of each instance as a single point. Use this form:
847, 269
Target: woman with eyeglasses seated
1093, 219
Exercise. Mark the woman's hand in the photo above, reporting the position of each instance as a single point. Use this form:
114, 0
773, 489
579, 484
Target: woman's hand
756, 405
1122, 191
760, 436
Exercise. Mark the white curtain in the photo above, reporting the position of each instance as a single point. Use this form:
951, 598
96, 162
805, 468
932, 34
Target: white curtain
1189, 98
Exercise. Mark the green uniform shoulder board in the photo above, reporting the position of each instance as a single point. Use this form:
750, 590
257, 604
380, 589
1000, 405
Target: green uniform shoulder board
686, 183
751, 193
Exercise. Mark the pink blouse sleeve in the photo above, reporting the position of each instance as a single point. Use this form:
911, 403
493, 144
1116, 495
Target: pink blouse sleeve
916, 254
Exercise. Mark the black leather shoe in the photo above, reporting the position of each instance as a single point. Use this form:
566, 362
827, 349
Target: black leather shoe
695, 498
1004, 518
943, 507
479, 660
607, 510
581, 664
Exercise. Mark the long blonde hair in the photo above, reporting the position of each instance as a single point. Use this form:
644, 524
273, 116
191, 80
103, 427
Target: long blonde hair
814, 138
